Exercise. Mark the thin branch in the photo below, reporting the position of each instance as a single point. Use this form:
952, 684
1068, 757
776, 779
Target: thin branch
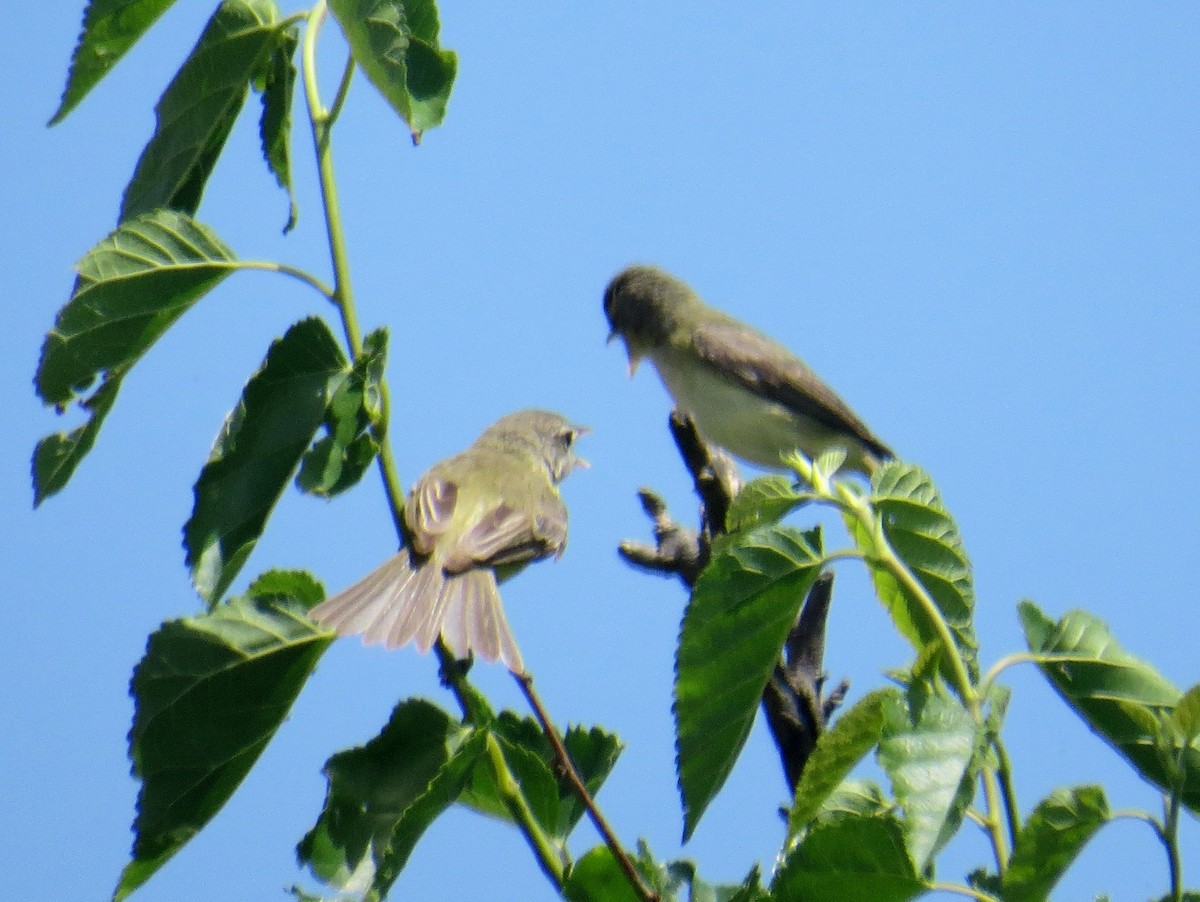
549, 858
525, 681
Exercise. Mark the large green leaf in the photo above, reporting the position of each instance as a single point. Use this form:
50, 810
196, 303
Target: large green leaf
396, 44
131, 288
849, 858
110, 27
1050, 840
383, 795
197, 111
210, 693
923, 534
275, 125
1123, 699
837, 751
928, 743
258, 450
741, 610
530, 756
353, 425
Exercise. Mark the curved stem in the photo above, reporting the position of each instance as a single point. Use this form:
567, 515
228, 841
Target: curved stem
307, 278
339, 99
1174, 867
1021, 657
525, 681
1011, 810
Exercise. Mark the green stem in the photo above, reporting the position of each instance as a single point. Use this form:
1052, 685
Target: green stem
1012, 811
1169, 843
343, 296
307, 278
514, 800
1170, 835
339, 99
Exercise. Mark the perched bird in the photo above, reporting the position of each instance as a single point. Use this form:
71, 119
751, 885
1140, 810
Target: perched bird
746, 393
472, 519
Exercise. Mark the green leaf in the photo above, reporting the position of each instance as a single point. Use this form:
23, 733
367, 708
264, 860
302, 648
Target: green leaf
396, 44
298, 585
836, 753
927, 747
851, 858
275, 125
529, 754
210, 693
1121, 698
352, 424
110, 27
197, 111
923, 534
741, 610
258, 450
383, 795
856, 797
597, 877
56, 456
767, 499
132, 287
1050, 840
1186, 716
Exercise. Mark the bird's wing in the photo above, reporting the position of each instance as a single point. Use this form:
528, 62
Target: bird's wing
767, 369
507, 535
429, 510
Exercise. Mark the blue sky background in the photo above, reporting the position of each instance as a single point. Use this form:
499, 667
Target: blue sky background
977, 221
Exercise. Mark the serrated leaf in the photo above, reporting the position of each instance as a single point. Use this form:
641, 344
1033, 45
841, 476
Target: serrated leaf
856, 797
767, 499
923, 534
594, 752
298, 585
275, 125
131, 288
1120, 697
836, 753
1051, 838
396, 44
197, 110
210, 693
851, 858
927, 746
258, 450
383, 795
741, 610
110, 27
351, 425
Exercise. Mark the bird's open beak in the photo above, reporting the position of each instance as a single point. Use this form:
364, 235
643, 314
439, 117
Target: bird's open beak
634, 359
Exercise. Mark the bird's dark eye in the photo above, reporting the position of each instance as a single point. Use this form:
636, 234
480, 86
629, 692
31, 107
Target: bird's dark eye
566, 438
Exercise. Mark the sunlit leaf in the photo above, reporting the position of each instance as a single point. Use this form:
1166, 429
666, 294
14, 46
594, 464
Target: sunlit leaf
923, 534
210, 693
927, 747
396, 44
258, 450
1051, 838
849, 858
742, 608
131, 288
1122, 698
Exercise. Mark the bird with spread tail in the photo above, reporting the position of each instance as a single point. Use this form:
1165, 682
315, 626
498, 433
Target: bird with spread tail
745, 392
473, 519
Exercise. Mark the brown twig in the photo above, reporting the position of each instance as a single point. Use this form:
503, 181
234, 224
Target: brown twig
525, 681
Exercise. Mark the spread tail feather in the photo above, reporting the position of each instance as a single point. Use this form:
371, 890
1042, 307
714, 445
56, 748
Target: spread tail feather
398, 603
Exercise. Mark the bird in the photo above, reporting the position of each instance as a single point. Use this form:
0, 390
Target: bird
746, 393
472, 519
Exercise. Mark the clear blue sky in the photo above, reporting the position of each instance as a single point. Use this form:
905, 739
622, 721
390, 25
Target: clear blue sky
979, 222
